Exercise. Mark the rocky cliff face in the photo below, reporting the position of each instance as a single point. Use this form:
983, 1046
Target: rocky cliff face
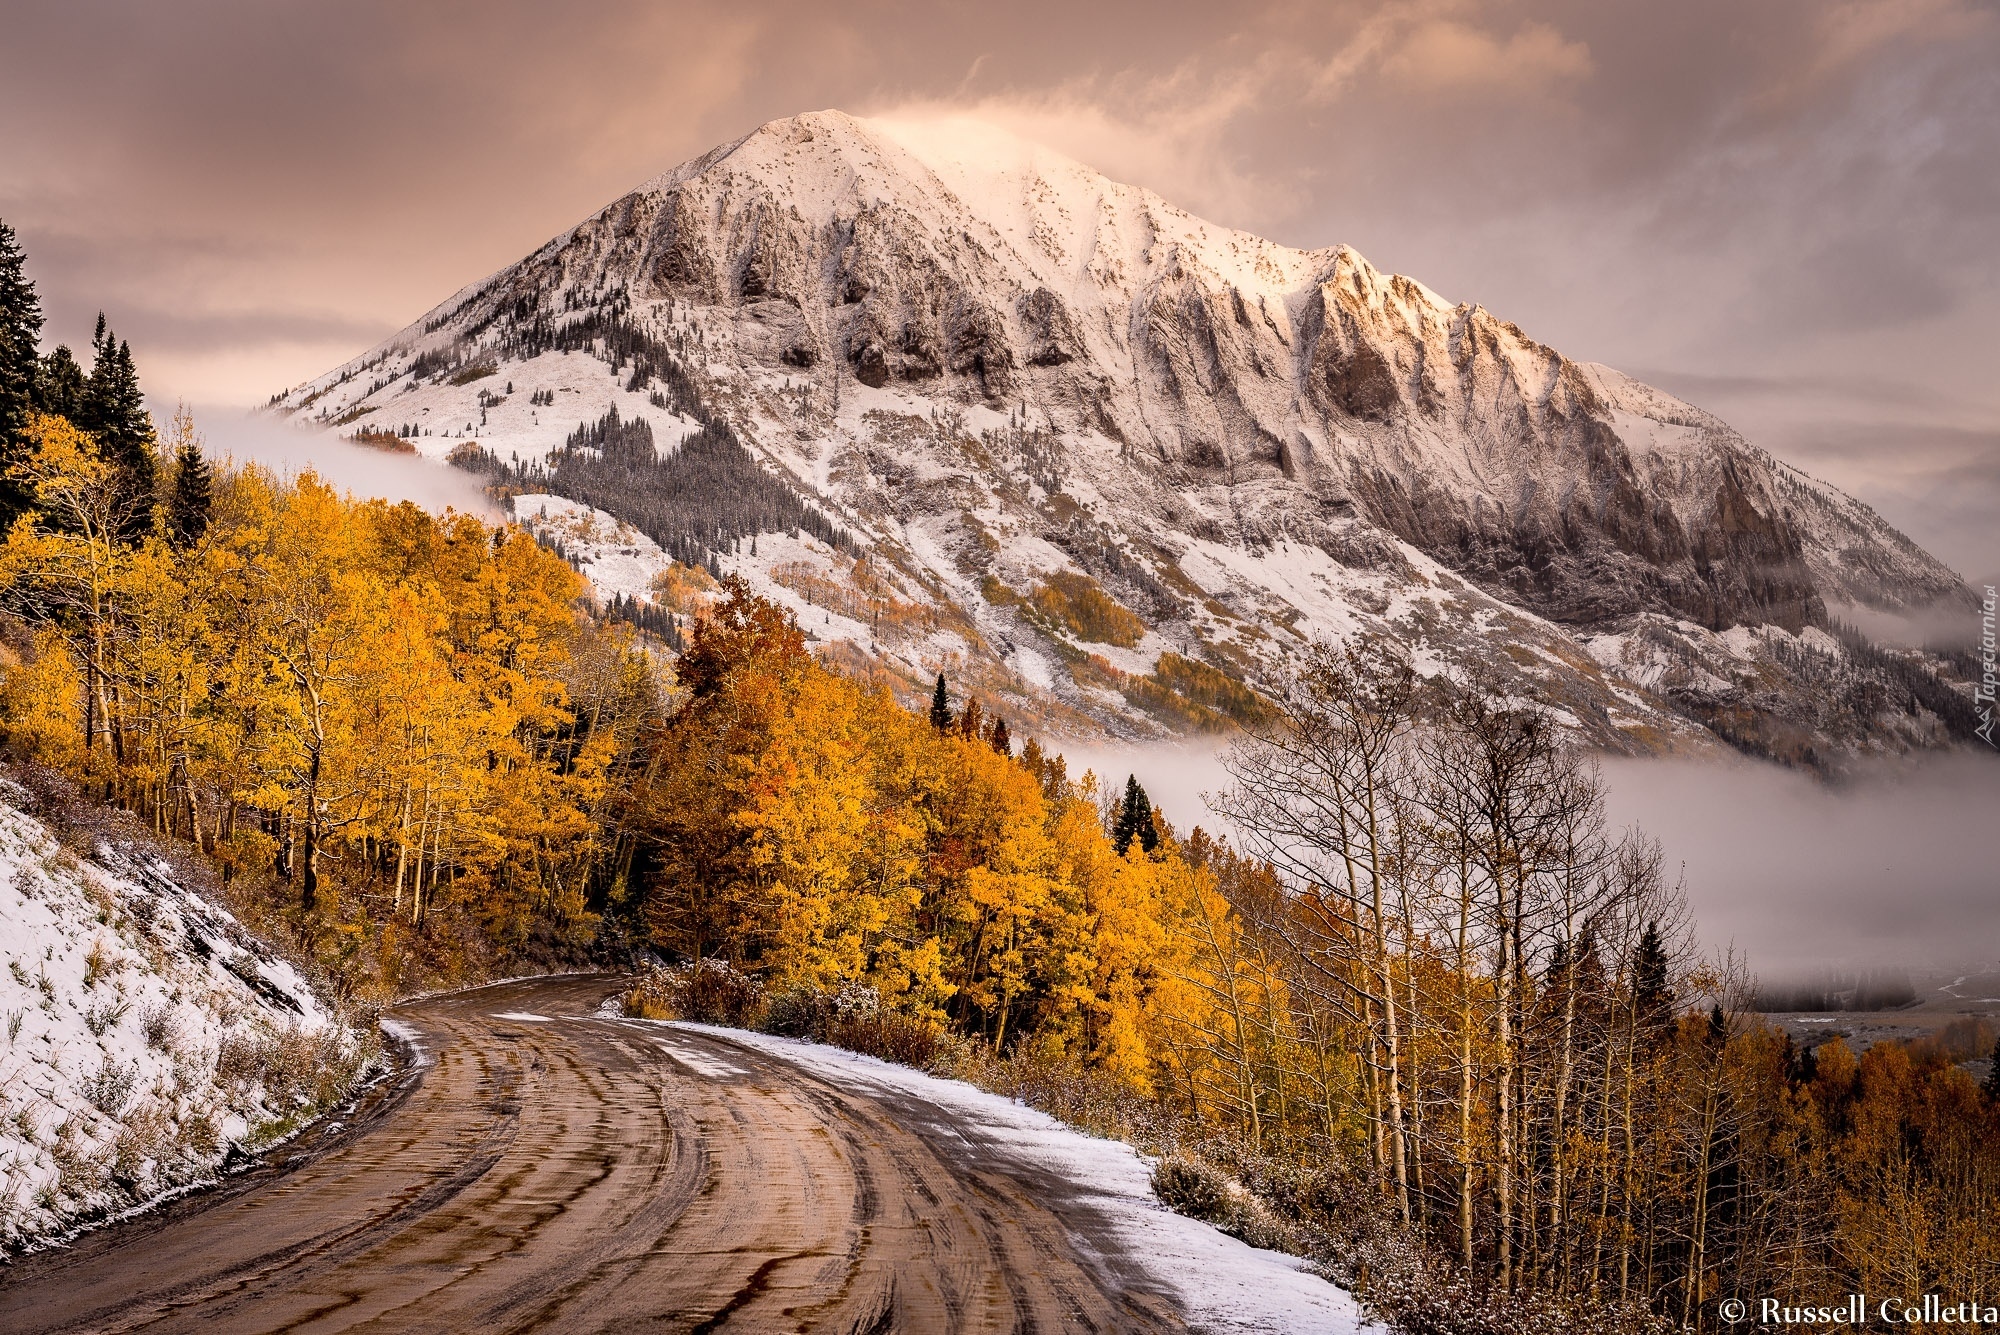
996, 367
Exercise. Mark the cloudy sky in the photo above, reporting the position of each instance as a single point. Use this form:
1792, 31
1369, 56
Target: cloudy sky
1784, 210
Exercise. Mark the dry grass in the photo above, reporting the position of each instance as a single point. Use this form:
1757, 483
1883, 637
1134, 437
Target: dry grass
161, 1024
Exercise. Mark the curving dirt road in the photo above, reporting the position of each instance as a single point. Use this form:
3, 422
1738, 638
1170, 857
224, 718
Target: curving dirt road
536, 1172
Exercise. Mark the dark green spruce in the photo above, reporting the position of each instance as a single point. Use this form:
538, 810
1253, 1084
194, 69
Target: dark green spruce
1135, 819
114, 411
60, 384
20, 335
190, 497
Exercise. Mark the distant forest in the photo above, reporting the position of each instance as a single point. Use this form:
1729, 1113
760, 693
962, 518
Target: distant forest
1877, 990
693, 502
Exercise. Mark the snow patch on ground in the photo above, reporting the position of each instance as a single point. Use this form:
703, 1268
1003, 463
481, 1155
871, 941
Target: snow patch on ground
699, 1062
613, 555
1225, 1286
410, 1037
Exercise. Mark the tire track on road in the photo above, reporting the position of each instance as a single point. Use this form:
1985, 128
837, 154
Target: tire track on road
585, 1173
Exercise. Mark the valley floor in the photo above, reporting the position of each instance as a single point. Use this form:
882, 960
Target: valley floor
547, 1165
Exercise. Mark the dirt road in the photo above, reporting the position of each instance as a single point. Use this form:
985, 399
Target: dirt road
542, 1173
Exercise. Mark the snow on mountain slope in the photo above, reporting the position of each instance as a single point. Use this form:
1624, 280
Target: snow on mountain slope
1022, 388
148, 1036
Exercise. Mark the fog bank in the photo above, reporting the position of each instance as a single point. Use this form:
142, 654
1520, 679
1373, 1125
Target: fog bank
230, 433
1174, 775
1897, 868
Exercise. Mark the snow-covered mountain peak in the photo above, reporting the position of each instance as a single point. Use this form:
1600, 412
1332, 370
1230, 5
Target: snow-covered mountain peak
1052, 408
1052, 221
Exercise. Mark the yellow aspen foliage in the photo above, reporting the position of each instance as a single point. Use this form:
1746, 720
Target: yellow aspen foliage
359, 704
809, 804
41, 702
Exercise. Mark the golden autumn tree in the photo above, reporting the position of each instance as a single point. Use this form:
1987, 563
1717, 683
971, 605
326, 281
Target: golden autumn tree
63, 561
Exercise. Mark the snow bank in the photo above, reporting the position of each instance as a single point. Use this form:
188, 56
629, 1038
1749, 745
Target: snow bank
147, 1035
1224, 1286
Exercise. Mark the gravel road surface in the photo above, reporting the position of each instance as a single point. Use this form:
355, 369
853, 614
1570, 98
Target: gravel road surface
539, 1167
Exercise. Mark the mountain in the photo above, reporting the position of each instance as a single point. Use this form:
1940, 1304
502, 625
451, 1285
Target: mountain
968, 405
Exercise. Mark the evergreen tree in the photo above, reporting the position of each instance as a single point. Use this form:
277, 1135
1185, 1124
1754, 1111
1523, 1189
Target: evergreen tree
1652, 997
60, 384
940, 706
1992, 1085
114, 412
188, 502
1001, 741
20, 332
1135, 820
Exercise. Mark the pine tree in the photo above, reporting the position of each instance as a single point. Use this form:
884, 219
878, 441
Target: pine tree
188, 502
1135, 820
1001, 741
1652, 998
59, 384
114, 412
940, 707
20, 331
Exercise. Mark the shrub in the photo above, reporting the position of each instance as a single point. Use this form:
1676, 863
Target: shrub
199, 1134
705, 991
890, 1036
1189, 1184
162, 1025
853, 1018
79, 1169
797, 1012
239, 1059
1045, 1077
110, 1090
134, 1155
97, 1019
1194, 1187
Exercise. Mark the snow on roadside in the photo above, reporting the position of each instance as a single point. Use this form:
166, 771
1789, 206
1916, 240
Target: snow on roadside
148, 1035
1224, 1286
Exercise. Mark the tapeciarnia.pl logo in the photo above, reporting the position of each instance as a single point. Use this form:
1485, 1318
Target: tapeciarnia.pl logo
1989, 678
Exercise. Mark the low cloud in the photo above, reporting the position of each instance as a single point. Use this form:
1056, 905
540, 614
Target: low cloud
1894, 869
1174, 134
1175, 775
288, 450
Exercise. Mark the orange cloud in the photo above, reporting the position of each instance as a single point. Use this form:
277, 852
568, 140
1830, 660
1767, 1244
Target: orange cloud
1170, 134
1443, 54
